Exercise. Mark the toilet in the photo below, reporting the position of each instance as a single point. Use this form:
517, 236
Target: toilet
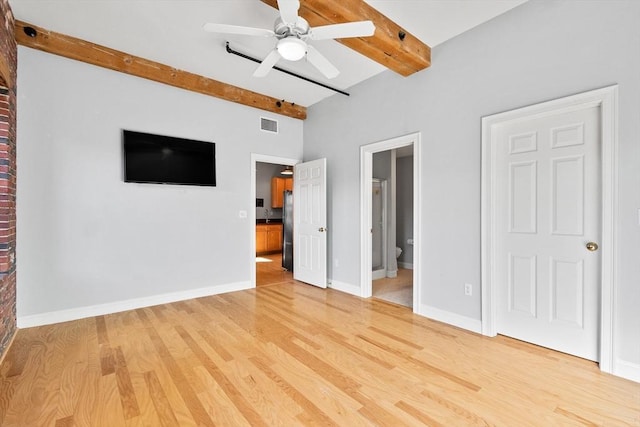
398, 252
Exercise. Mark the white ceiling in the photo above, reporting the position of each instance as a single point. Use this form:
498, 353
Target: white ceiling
170, 32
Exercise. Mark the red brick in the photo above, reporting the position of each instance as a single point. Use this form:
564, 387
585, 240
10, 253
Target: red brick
8, 52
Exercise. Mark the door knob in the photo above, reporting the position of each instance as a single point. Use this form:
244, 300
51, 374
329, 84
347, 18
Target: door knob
322, 229
592, 246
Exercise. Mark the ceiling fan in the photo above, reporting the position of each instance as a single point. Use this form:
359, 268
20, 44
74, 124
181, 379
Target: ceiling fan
293, 33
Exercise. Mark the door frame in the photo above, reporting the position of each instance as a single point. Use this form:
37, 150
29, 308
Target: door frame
385, 252
607, 101
262, 158
366, 177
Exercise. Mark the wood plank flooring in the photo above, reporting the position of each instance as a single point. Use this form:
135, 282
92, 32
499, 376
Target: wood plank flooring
290, 354
269, 270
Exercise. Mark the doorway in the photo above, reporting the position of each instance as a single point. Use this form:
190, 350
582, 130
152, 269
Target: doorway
380, 162
266, 221
548, 189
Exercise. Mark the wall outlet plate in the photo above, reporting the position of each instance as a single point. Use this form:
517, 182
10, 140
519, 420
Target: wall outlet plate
468, 289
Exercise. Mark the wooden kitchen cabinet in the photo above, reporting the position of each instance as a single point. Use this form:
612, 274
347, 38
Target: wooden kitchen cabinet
268, 238
278, 187
261, 239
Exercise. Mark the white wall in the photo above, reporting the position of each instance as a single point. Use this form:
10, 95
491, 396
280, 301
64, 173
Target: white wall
536, 52
85, 237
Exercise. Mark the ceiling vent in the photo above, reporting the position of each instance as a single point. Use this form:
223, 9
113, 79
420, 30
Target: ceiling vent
268, 125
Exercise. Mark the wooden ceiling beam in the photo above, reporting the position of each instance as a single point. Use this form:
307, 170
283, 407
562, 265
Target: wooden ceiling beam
5, 73
391, 45
70, 47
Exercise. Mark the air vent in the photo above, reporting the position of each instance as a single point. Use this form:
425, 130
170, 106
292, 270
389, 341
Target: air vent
268, 125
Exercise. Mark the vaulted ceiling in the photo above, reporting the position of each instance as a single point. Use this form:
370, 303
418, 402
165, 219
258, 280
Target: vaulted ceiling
170, 32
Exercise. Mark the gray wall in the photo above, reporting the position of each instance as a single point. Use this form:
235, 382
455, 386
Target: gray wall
381, 165
85, 237
264, 173
404, 203
539, 51
381, 168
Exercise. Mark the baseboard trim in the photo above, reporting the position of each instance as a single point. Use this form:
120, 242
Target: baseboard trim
627, 370
131, 304
378, 274
450, 318
406, 265
345, 287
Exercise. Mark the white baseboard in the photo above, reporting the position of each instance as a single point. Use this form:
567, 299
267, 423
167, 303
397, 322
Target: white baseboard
131, 304
345, 287
628, 370
450, 318
378, 274
392, 273
405, 265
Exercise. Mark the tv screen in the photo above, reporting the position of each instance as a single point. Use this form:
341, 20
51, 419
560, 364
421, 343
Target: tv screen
160, 159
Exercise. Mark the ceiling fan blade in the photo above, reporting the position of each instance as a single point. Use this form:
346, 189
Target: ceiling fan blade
342, 31
236, 29
321, 63
289, 10
267, 64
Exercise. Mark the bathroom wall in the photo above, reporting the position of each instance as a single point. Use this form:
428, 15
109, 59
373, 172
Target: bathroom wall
382, 170
404, 210
403, 227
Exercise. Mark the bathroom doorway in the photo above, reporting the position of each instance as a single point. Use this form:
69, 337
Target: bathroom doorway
392, 220
397, 162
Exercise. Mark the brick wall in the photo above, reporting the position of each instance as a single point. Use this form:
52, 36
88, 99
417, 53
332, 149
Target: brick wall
8, 55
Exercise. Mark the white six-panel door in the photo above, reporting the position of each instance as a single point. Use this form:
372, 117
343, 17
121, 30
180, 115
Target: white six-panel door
310, 222
548, 216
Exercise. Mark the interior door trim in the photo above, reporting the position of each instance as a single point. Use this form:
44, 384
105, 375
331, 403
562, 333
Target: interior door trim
263, 158
366, 176
607, 101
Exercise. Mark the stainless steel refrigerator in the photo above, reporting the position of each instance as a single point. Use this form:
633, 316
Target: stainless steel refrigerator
287, 231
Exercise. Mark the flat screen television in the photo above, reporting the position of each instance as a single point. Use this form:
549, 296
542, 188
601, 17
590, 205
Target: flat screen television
161, 159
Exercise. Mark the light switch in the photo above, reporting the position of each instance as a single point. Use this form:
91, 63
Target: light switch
242, 214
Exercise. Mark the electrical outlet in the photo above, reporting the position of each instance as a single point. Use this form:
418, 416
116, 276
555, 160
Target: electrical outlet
468, 289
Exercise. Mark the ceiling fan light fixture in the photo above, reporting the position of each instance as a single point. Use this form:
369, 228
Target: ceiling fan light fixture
292, 48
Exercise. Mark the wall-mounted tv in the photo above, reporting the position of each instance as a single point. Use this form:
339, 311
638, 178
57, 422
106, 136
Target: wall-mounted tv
161, 159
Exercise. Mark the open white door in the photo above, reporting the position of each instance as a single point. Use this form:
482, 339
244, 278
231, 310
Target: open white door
310, 223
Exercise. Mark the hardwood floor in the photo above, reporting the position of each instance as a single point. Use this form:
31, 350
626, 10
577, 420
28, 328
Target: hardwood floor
292, 354
269, 270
